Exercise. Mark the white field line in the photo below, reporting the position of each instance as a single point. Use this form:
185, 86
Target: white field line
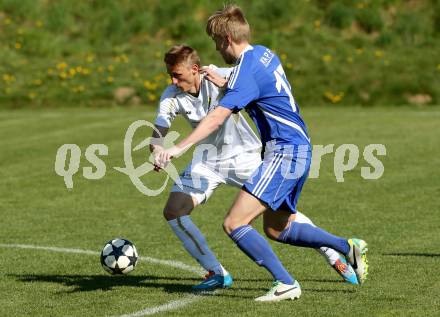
6, 118
350, 112
66, 131
174, 264
172, 305
166, 307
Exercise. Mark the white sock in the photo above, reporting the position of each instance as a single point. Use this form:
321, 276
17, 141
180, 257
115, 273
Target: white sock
195, 243
329, 254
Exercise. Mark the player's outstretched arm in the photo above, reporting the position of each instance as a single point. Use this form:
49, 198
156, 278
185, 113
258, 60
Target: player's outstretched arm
157, 138
208, 125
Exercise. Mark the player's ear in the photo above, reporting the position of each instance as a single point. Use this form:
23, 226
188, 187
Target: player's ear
195, 68
228, 39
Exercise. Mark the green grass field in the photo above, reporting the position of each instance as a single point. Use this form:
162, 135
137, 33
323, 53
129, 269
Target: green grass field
398, 215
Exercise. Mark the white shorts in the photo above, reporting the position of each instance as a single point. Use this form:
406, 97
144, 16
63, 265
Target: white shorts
200, 179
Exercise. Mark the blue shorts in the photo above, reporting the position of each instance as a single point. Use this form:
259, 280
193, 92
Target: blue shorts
279, 179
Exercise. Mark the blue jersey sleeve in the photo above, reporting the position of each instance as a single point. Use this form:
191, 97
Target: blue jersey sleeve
242, 88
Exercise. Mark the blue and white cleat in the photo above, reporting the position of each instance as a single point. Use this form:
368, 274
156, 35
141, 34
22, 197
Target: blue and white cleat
213, 281
345, 270
357, 257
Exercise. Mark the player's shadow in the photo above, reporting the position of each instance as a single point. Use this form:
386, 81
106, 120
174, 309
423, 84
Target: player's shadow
302, 280
88, 283
418, 254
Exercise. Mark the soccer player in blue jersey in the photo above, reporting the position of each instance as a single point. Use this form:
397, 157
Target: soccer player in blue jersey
259, 85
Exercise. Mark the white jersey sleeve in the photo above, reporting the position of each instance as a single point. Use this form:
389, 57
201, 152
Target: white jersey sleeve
168, 107
222, 71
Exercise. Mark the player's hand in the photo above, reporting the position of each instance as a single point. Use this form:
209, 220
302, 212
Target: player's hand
156, 151
163, 157
212, 76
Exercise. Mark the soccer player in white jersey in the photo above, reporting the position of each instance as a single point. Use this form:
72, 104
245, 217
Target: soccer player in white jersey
236, 155
259, 85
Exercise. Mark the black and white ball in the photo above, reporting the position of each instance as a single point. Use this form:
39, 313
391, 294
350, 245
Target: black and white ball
119, 256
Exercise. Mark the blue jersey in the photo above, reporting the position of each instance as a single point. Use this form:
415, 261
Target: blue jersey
259, 84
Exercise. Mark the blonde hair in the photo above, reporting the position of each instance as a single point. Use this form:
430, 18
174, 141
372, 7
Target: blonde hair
229, 21
181, 54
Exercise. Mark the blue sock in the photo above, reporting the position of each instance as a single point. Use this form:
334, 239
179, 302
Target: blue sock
259, 250
305, 235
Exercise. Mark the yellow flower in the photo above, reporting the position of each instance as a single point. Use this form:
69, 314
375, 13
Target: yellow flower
327, 58
135, 74
151, 97
110, 79
20, 31
283, 57
168, 42
61, 66
85, 71
7, 21
7, 78
359, 51
39, 24
333, 98
350, 60
378, 53
100, 69
317, 24
78, 69
125, 58
18, 46
149, 85
360, 5
110, 68
90, 58
63, 75
289, 65
79, 88
328, 95
37, 82
158, 77
50, 71
438, 67
32, 95
72, 72
157, 54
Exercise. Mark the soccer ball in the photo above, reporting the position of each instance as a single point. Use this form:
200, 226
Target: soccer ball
119, 256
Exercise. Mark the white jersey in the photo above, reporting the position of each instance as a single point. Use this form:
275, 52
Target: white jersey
234, 137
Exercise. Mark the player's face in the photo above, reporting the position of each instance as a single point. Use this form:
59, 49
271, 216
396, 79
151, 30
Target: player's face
183, 76
223, 46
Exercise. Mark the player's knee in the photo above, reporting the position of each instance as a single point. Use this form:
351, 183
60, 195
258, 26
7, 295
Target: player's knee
173, 212
169, 214
178, 206
228, 225
271, 233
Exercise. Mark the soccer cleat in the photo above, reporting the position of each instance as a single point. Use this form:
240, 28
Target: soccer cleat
281, 291
345, 270
213, 281
357, 257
